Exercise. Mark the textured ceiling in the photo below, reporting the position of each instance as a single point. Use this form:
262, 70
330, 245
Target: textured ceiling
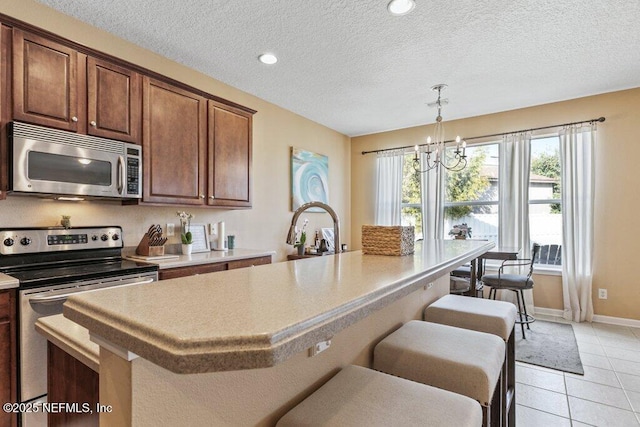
353, 67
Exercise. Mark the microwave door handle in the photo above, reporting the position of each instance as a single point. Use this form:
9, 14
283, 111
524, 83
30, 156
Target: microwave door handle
121, 177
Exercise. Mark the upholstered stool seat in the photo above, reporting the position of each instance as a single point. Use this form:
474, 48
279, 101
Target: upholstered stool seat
483, 315
490, 316
358, 396
455, 359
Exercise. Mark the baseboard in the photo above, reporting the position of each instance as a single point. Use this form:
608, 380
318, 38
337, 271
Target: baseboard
549, 311
620, 321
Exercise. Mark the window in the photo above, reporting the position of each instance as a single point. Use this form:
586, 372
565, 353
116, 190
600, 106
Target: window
472, 193
471, 196
411, 197
545, 204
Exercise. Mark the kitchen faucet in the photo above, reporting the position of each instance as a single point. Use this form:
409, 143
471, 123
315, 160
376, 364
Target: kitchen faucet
291, 238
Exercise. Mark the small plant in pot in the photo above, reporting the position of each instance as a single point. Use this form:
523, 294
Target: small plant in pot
302, 239
185, 234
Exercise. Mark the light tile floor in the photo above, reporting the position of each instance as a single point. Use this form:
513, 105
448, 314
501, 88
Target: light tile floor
607, 395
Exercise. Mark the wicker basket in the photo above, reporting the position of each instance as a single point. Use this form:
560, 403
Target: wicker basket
387, 240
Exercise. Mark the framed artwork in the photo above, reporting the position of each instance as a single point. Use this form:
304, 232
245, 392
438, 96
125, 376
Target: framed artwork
309, 178
200, 238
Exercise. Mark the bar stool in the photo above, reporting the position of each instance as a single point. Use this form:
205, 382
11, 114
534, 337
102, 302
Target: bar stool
455, 359
358, 396
493, 317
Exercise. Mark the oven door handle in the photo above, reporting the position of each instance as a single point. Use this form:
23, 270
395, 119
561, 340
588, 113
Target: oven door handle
53, 299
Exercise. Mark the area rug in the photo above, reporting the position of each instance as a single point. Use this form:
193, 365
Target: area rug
549, 344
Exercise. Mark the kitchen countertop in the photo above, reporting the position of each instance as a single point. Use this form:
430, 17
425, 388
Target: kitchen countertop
201, 257
7, 282
70, 337
259, 317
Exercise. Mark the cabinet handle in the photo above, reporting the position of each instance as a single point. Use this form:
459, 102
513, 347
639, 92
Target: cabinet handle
74, 119
212, 197
202, 196
93, 123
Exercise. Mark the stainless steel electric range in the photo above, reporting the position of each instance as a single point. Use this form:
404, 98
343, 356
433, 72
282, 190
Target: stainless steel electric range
52, 264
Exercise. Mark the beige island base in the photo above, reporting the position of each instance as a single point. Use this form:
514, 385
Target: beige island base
232, 348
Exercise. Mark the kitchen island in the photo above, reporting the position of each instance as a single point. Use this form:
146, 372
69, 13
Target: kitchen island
231, 348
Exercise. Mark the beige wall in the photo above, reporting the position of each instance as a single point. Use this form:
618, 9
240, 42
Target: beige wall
617, 180
275, 131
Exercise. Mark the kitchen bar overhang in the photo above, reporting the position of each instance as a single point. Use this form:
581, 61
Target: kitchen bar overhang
261, 316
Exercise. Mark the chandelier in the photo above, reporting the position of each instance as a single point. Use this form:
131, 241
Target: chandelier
435, 150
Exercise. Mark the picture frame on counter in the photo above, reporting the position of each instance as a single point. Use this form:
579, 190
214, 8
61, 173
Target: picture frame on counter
200, 238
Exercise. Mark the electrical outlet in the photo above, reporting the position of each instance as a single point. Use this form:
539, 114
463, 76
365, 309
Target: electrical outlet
170, 230
319, 347
602, 293
212, 229
429, 286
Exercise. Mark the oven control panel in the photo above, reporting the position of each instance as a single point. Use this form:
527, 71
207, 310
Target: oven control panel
54, 239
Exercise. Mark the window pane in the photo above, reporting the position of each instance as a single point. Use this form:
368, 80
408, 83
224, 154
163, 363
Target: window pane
544, 180
478, 184
411, 207
545, 208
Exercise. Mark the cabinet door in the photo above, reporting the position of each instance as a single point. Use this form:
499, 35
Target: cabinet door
174, 144
229, 156
8, 391
44, 82
114, 101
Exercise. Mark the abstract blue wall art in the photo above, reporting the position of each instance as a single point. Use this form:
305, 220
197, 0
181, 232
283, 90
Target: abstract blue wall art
309, 178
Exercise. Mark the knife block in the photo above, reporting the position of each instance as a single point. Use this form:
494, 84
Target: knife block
145, 249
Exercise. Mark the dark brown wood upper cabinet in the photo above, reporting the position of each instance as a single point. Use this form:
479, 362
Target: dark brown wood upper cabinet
174, 144
229, 177
44, 82
56, 86
114, 102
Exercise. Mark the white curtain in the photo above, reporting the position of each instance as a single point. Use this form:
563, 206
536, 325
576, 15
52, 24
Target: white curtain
577, 158
432, 199
515, 163
389, 166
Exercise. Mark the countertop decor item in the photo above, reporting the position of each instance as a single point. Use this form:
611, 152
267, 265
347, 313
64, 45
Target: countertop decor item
460, 231
395, 240
185, 222
152, 243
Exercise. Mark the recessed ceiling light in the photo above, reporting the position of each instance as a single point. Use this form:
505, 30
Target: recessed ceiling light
401, 7
268, 58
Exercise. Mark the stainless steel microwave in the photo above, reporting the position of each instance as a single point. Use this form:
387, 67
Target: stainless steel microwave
53, 162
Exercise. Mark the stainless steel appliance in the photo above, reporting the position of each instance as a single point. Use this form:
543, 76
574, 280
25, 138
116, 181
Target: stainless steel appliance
51, 264
52, 162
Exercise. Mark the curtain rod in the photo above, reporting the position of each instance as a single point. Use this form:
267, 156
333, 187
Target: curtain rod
600, 119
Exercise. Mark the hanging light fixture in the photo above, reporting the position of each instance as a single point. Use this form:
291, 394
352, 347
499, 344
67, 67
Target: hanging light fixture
435, 149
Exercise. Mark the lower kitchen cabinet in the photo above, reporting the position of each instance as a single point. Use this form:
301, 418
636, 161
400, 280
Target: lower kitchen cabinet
172, 273
71, 381
8, 355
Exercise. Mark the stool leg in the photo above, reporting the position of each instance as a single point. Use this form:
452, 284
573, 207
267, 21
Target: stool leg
520, 314
526, 315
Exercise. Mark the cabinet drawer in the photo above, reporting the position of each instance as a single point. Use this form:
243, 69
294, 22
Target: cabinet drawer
172, 273
250, 262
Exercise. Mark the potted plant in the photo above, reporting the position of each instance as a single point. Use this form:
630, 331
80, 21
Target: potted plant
461, 231
300, 241
185, 234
